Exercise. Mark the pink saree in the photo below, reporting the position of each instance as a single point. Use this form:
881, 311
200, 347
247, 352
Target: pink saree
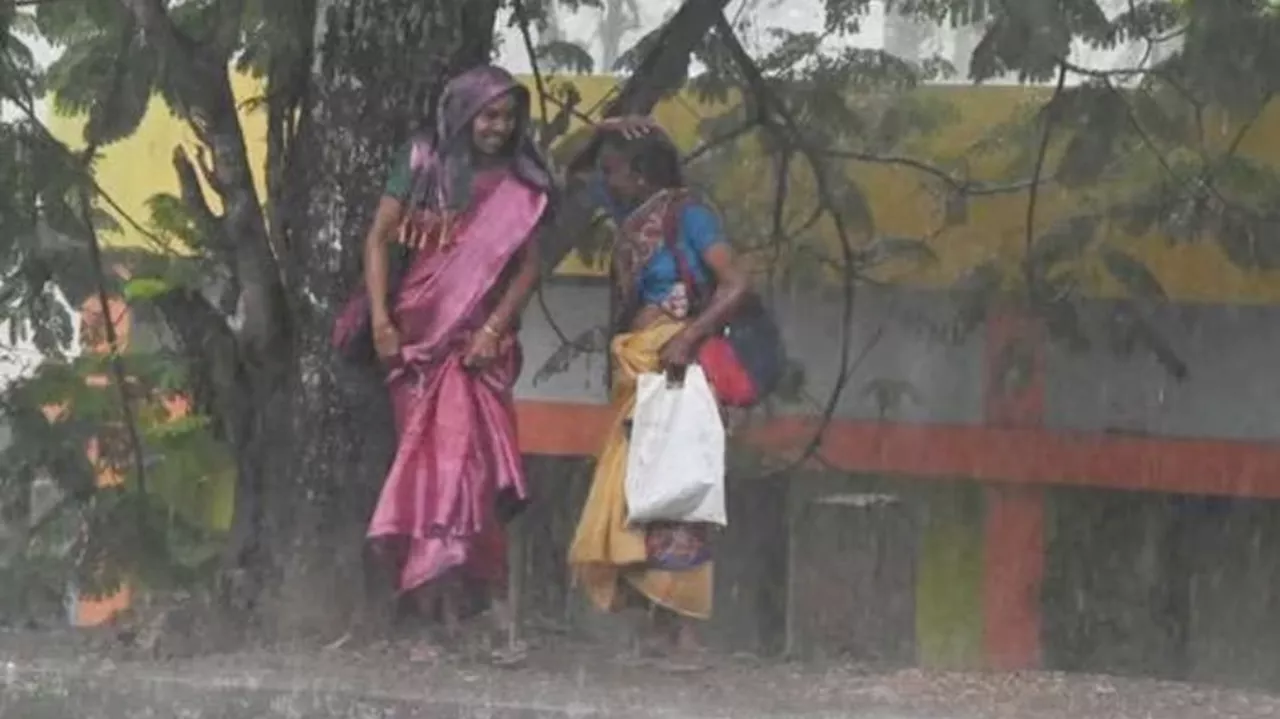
457, 458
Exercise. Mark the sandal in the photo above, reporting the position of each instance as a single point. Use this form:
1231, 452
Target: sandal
514, 655
684, 663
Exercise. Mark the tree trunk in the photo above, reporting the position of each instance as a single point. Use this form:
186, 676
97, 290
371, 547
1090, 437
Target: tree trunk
380, 64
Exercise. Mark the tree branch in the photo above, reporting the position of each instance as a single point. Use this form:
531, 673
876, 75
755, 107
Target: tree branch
664, 67
193, 197
527, 36
1050, 118
203, 92
772, 106
662, 70
28, 111
725, 139
965, 187
116, 362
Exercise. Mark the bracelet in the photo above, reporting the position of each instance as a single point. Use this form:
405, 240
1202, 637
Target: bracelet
489, 330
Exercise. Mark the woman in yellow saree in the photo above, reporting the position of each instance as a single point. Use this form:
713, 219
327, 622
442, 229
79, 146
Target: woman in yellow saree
666, 566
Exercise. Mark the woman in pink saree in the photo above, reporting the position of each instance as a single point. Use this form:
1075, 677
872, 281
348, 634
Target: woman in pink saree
470, 203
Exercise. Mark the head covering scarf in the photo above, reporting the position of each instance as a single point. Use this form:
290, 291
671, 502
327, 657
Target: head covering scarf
449, 181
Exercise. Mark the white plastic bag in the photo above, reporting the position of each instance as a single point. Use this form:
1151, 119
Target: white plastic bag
675, 464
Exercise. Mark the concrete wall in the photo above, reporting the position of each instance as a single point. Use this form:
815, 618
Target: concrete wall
1231, 390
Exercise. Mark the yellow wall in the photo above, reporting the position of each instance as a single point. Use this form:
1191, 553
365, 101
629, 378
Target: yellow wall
139, 167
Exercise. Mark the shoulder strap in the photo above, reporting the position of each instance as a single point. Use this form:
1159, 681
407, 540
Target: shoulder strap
671, 238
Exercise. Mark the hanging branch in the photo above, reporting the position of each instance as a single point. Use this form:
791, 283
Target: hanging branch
1050, 118
964, 187
120, 376
775, 109
721, 140
527, 35
116, 361
31, 116
664, 67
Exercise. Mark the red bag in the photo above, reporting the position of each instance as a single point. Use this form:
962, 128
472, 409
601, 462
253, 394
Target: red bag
728, 376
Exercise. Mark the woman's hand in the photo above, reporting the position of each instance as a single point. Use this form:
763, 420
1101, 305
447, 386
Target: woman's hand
631, 126
421, 229
679, 352
386, 340
483, 349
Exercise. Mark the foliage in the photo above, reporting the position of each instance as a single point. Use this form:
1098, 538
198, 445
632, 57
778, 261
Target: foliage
1136, 148
64, 424
66, 431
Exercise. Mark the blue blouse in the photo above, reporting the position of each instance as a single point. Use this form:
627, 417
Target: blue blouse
699, 231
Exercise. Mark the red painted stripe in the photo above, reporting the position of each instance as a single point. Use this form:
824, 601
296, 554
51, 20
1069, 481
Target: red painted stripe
1013, 571
1013, 546
947, 452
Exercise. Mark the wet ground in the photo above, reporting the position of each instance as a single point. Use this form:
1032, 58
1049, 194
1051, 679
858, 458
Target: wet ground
61, 675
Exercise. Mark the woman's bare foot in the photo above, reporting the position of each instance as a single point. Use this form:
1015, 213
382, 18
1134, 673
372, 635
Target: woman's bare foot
431, 645
687, 653
437, 600
687, 641
644, 642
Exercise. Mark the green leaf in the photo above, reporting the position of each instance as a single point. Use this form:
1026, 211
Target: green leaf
1163, 112
72, 22
1062, 320
851, 203
109, 76
178, 428
1091, 149
791, 385
1130, 332
888, 249
119, 113
1028, 39
973, 296
844, 17
563, 56
1066, 241
1130, 272
146, 288
1143, 19
1088, 21
890, 395
172, 219
791, 48
1249, 243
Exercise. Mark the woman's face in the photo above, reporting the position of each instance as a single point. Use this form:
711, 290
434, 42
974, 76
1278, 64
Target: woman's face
624, 183
491, 130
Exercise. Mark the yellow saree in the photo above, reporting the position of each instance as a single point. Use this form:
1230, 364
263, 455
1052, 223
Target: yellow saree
605, 551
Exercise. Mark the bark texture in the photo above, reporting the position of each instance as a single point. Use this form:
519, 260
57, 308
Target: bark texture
379, 64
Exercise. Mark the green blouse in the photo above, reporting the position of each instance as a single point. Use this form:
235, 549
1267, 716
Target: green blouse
400, 179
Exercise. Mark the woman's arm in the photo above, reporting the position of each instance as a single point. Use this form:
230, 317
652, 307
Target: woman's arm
701, 231
629, 126
518, 290
385, 219
731, 288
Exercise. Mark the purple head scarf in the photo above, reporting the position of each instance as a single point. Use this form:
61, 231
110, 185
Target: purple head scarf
462, 100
